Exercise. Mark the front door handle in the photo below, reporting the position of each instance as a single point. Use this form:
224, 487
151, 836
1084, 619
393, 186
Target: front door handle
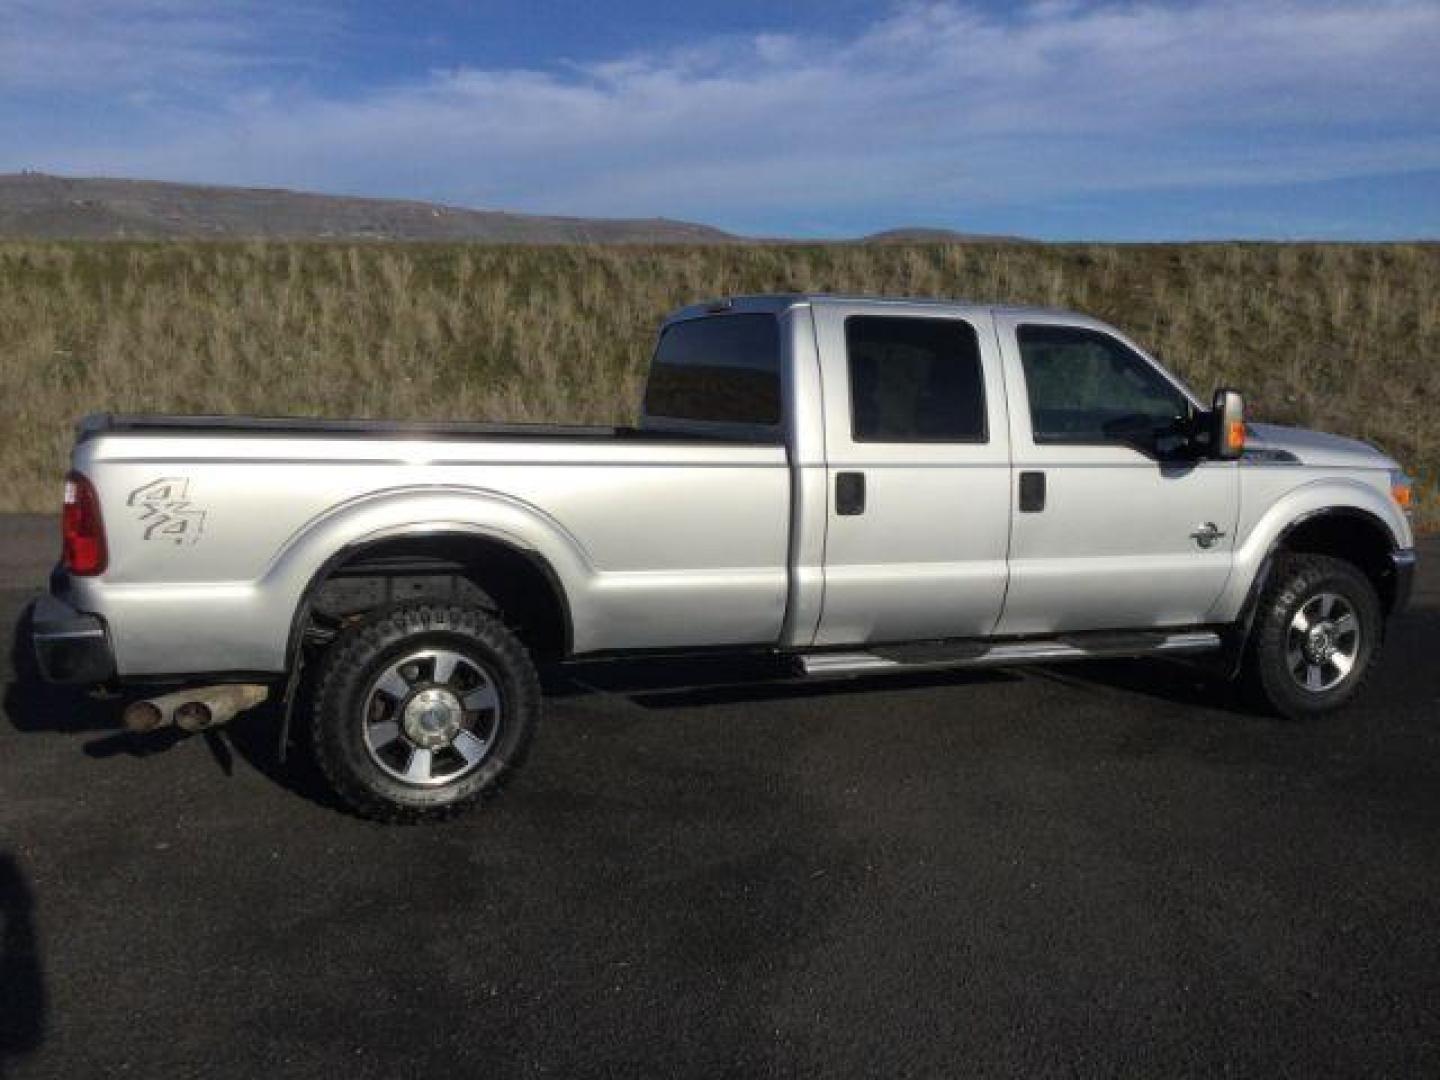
849, 493
1206, 535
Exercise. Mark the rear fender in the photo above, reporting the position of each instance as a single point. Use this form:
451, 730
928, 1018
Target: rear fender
317, 547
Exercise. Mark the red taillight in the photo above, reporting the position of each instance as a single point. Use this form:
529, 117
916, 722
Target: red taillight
83, 531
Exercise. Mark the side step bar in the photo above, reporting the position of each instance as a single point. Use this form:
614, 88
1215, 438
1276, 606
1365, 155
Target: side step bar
1004, 654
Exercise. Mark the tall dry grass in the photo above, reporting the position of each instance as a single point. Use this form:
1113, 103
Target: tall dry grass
1339, 337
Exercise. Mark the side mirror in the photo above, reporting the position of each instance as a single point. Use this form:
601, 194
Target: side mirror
1227, 425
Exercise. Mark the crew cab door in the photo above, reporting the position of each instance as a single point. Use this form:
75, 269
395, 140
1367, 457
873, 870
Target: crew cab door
1106, 535
918, 469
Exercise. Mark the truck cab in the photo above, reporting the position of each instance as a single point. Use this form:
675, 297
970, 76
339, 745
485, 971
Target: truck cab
965, 471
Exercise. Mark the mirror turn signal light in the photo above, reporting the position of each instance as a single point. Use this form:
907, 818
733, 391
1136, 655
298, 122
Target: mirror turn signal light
1235, 435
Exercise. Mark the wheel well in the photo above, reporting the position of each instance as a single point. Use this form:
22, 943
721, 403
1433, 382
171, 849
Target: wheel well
448, 568
1358, 538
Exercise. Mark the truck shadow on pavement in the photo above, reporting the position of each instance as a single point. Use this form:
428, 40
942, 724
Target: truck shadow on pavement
255, 737
23, 1006
1172, 681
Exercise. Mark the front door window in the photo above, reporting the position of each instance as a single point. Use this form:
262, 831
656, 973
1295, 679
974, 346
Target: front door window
1087, 388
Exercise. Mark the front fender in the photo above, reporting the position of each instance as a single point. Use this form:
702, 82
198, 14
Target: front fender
1320, 496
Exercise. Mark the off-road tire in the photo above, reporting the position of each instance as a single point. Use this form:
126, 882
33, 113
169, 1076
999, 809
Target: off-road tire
1294, 583
344, 683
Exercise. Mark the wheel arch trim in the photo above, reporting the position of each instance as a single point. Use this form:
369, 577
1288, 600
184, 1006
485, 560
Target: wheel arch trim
1329, 497
314, 552
448, 530
1244, 619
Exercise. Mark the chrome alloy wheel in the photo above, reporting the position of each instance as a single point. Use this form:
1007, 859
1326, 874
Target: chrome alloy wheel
1322, 642
431, 717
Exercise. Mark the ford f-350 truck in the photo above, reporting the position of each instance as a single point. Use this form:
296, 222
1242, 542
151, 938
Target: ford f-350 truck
861, 485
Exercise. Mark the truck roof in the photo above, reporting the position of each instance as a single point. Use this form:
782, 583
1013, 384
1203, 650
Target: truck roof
776, 302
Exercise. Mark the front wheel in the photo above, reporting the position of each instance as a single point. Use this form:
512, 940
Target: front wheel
422, 711
1316, 636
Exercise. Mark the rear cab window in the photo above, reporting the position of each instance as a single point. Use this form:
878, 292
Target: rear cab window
722, 369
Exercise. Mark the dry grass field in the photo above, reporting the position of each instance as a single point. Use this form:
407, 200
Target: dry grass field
1340, 337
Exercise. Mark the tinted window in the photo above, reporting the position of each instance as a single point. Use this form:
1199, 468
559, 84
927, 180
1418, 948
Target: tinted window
914, 380
724, 368
1087, 387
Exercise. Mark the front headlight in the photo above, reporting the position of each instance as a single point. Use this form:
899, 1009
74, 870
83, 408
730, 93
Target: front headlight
1402, 490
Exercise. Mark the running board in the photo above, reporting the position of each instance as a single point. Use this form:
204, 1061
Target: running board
1004, 654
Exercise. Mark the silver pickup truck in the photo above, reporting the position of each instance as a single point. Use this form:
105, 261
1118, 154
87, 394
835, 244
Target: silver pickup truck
859, 485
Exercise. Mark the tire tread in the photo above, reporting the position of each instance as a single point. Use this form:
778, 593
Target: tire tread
357, 646
1295, 575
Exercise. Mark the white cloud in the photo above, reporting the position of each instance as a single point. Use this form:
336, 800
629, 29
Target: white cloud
932, 106
148, 47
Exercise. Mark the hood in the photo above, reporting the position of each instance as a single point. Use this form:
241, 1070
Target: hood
1313, 448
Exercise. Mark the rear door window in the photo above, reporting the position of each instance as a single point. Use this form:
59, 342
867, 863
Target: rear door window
721, 368
914, 380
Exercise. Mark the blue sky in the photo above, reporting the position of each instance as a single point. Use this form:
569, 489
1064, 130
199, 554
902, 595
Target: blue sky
1144, 119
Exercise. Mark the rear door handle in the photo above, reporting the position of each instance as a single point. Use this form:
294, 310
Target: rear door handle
849, 493
1032, 492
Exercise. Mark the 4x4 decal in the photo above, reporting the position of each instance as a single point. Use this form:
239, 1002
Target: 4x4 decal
165, 511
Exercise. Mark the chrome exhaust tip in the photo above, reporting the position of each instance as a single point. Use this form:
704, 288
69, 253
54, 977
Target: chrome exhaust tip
143, 716
194, 716
196, 709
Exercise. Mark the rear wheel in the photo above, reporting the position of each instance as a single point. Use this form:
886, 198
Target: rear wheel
1316, 636
423, 711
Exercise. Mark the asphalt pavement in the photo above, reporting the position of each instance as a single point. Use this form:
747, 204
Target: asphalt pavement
1088, 870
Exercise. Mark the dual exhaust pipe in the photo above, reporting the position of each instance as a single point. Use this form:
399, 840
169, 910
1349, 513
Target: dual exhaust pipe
198, 709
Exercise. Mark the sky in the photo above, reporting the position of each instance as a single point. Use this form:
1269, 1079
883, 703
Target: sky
1057, 119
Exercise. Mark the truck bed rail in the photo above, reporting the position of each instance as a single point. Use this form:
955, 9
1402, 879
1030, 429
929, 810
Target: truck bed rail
98, 424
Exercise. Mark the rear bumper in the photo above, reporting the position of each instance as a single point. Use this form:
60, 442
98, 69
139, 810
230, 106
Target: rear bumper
70, 646
1403, 562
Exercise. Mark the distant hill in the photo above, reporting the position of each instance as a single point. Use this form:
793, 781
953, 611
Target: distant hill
37, 206
939, 236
